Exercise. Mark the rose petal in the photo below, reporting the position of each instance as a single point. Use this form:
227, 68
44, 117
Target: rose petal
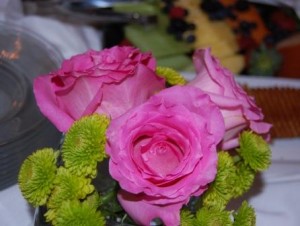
143, 213
46, 102
120, 97
220, 85
84, 93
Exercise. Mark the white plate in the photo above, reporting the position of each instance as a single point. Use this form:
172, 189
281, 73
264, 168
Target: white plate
23, 129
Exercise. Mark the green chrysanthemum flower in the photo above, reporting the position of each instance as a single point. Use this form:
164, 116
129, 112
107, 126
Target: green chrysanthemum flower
84, 145
69, 187
245, 216
213, 217
187, 218
171, 76
220, 191
77, 213
255, 151
94, 200
37, 174
50, 215
245, 177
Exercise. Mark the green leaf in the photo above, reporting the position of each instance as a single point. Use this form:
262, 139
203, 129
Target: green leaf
37, 174
159, 42
255, 151
84, 145
180, 62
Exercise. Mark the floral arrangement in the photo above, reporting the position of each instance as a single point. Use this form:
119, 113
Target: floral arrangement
143, 146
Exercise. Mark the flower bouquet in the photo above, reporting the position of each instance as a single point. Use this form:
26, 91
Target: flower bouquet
143, 146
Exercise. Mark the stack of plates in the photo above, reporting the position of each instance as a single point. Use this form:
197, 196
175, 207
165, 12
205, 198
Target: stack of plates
23, 129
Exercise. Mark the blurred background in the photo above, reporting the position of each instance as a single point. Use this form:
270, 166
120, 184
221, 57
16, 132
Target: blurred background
249, 37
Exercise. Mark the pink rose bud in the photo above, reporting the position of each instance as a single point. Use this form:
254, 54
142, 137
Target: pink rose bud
238, 109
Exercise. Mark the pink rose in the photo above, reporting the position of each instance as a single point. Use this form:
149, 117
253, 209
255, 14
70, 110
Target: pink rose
238, 109
163, 152
110, 81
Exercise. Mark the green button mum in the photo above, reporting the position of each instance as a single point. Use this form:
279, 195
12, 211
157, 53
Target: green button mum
78, 213
37, 174
255, 151
84, 145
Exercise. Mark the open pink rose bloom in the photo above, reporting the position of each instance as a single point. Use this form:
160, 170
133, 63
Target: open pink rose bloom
110, 81
162, 143
164, 151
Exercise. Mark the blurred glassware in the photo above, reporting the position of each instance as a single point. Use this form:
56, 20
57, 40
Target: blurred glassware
93, 12
23, 129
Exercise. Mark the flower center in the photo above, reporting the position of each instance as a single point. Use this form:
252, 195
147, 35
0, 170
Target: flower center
161, 157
